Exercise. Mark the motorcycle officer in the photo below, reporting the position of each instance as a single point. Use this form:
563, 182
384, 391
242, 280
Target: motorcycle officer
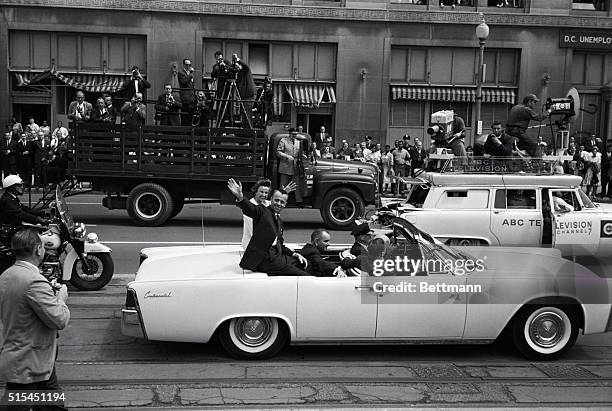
12, 212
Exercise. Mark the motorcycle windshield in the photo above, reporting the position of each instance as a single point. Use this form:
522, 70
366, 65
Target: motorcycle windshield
62, 208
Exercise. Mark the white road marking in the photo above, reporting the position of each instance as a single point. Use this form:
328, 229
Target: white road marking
71, 203
172, 242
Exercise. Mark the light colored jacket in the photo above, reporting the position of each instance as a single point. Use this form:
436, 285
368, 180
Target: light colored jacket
285, 149
31, 314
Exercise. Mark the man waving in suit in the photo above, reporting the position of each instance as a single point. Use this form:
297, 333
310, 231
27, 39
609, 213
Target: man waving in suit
266, 251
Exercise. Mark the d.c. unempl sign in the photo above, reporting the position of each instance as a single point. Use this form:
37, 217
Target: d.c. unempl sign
585, 39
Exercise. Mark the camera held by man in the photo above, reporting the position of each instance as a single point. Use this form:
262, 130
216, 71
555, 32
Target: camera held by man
441, 128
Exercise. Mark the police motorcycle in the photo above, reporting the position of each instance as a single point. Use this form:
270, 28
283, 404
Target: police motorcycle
71, 254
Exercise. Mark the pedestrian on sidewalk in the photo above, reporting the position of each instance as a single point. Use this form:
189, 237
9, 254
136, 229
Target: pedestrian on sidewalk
31, 311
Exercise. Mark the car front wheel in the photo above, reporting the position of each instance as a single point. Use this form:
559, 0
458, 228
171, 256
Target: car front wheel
253, 338
544, 332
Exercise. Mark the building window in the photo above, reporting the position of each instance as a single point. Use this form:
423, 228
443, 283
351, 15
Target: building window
591, 69
420, 65
258, 59
491, 112
407, 113
597, 5
506, 3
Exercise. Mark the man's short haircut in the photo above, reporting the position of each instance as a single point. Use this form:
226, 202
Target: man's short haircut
167, 84
218, 53
496, 123
265, 182
184, 60
25, 241
317, 234
527, 99
280, 190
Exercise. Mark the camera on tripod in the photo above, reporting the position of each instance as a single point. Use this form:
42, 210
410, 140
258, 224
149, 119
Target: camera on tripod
562, 106
441, 127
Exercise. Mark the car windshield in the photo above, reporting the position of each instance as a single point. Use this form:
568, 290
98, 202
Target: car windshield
585, 199
62, 208
448, 252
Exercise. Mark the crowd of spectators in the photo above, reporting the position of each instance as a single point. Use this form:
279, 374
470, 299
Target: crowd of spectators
36, 153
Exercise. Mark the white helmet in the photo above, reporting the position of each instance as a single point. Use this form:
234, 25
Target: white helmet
11, 181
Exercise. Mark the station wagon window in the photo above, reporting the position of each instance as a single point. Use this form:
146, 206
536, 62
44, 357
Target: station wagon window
464, 200
514, 199
569, 197
585, 199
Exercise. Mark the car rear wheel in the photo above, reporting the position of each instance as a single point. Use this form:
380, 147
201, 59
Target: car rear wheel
253, 338
544, 332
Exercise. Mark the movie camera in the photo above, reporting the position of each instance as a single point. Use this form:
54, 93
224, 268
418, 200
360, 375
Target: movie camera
441, 127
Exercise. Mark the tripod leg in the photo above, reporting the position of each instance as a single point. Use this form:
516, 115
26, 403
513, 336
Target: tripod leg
222, 106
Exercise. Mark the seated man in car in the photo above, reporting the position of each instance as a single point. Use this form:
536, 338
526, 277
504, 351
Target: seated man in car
318, 266
363, 235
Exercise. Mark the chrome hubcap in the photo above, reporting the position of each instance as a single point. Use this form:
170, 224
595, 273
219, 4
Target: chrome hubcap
253, 331
547, 329
343, 209
148, 205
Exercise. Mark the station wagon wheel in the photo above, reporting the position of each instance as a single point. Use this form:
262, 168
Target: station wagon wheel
341, 207
252, 338
544, 332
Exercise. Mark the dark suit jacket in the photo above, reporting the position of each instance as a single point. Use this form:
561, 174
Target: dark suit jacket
98, 117
358, 249
264, 233
186, 84
12, 212
169, 114
319, 139
5, 147
41, 153
129, 88
318, 265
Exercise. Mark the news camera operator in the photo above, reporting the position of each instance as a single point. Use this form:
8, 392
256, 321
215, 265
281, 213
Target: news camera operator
518, 122
136, 84
244, 82
457, 141
168, 107
203, 109
220, 73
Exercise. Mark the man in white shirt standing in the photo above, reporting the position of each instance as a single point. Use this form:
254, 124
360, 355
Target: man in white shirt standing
80, 110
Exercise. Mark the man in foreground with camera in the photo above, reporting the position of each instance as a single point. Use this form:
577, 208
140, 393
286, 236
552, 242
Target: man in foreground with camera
32, 311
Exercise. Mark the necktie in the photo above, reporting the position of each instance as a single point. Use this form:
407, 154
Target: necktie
279, 233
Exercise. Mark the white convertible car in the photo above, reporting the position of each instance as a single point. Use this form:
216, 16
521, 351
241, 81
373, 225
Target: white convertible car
420, 292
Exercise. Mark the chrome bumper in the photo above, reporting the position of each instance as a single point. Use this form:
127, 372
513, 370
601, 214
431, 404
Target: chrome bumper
130, 323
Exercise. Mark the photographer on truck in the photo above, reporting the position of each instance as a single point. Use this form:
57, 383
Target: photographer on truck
518, 122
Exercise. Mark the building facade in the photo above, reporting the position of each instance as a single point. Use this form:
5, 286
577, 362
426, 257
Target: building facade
358, 67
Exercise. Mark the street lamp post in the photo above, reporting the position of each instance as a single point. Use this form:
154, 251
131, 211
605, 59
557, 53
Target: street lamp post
482, 32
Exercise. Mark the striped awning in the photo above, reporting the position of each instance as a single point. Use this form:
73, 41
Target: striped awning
310, 95
466, 94
95, 83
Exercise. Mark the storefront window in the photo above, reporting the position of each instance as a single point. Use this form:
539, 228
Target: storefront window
407, 113
597, 5
506, 3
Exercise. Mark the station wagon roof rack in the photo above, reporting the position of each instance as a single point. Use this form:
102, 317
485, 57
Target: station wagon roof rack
448, 163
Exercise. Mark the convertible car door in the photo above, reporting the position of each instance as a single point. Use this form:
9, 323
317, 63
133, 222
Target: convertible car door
423, 299
330, 307
424, 307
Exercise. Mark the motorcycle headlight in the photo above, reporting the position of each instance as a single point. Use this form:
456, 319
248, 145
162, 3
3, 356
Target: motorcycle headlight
92, 238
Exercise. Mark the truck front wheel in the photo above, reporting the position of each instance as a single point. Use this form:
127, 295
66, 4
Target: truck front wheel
149, 205
341, 207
